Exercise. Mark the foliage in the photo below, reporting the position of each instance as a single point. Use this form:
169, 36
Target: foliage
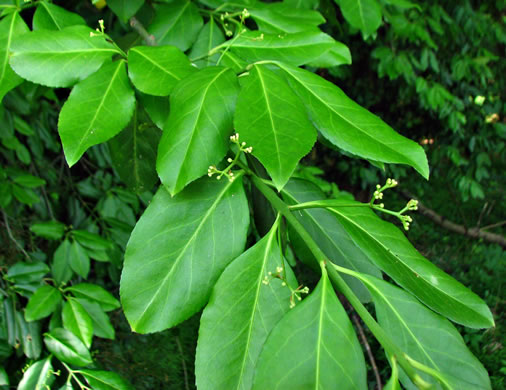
220, 104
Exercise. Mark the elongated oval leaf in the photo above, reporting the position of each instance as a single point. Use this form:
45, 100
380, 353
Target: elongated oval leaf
271, 118
281, 18
178, 249
60, 267
51, 17
314, 346
209, 37
362, 14
102, 326
42, 303
156, 70
79, 260
105, 380
389, 249
97, 109
239, 316
27, 272
295, 49
177, 24
67, 347
52, 230
196, 133
29, 333
95, 293
11, 26
59, 58
426, 337
77, 320
330, 236
38, 376
351, 127
339, 54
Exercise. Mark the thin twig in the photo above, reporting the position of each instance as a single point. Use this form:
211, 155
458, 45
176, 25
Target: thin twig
185, 372
494, 225
139, 28
367, 347
9, 233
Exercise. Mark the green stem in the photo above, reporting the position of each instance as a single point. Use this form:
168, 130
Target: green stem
341, 285
74, 376
325, 204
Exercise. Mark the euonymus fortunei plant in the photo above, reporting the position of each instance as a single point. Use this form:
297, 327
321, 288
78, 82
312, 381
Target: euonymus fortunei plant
219, 101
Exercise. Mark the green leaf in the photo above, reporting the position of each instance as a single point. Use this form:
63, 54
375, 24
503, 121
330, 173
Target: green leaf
27, 272
4, 378
426, 337
42, 303
282, 18
164, 280
393, 381
314, 346
196, 133
52, 230
157, 108
125, 9
239, 316
351, 127
330, 236
79, 260
271, 119
389, 249
60, 267
133, 153
38, 376
156, 70
177, 24
97, 109
59, 58
295, 49
91, 240
29, 333
77, 320
96, 294
102, 326
337, 55
209, 37
105, 380
307, 4
362, 14
51, 17
25, 195
10, 27
63, 344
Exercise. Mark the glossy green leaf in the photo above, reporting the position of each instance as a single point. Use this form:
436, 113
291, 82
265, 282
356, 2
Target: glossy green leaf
60, 267
133, 153
67, 347
29, 335
79, 260
389, 249
95, 294
11, 26
362, 14
295, 49
234, 62
426, 337
59, 58
91, 240
314, 346
239, 316
282, 18
393, 381
77, 320
351, 127
38, 376
52, 230
328, 233
307, 4
271, 119
102, 326
337, 55
157, 107
105, 380
177, 24
97, 109
156, 70
125, 9
164, 280
209, 37
27, 272
197, 131
49, 16
4, 378
42, 303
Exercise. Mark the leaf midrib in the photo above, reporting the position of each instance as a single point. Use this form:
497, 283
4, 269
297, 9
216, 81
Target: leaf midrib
176, 19
44, 4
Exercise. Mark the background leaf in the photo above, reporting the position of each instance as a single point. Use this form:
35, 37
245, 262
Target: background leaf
38, 375
177, 280
97, 109
125, 9
42, 303
105, 380
196, 133
209, 37
96, 294
362, 14
49, 16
